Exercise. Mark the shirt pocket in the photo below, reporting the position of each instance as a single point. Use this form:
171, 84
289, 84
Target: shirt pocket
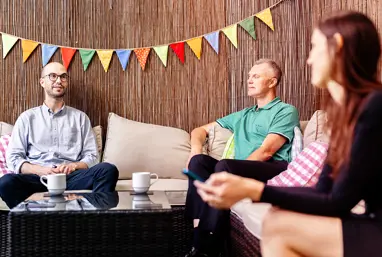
71, 139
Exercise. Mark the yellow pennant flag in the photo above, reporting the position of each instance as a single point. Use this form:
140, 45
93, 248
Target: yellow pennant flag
105, 58
231, 33
266, 17
196, 46
28, 47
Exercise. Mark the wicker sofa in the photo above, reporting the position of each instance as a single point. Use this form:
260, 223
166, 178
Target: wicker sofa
134, 146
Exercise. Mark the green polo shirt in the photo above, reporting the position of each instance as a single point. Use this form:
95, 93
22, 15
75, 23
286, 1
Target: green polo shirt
251, 125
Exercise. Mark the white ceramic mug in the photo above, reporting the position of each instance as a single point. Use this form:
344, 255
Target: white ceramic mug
142, 181
56, 183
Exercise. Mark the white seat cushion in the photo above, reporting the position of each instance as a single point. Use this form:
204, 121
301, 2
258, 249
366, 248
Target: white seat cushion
253, 217
160, 185
240, 208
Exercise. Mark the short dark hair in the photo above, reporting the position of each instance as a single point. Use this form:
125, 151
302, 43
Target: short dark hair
274, 66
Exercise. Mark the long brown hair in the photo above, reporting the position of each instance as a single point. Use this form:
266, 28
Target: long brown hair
357, 65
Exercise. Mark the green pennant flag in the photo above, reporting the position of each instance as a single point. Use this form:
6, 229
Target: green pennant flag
8, 42
86, 57
162, 52
249, 25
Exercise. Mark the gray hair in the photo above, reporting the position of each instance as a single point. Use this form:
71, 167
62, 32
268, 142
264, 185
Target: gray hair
274, 66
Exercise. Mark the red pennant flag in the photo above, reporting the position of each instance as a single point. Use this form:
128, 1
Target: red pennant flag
67, 55
178, 49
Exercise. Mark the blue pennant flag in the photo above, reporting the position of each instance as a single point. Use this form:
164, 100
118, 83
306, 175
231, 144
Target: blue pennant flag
123, 56
213, 39
47, 53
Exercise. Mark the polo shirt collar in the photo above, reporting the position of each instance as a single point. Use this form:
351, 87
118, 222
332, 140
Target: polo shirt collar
270, 104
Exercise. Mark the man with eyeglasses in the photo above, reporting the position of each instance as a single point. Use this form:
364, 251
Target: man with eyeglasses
263, 137
50, 139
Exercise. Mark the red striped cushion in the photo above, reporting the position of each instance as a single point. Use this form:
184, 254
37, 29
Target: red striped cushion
305, 169
4, 141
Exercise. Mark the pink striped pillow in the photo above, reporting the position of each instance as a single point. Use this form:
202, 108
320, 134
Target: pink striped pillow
305, 169
4, 142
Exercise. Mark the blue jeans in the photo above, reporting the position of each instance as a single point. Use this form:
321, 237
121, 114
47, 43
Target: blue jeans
15, 188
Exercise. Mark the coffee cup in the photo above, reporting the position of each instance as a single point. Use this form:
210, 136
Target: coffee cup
56, 183
142, 181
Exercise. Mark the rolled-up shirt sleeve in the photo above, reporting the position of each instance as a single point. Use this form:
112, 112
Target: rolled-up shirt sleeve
89, 154
18, 146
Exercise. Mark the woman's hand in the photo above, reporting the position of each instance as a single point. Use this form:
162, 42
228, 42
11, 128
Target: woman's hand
222, 190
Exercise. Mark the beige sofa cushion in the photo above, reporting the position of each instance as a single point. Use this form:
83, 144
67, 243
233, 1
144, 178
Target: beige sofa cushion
314, 130
136, 147
6, 128
217, 139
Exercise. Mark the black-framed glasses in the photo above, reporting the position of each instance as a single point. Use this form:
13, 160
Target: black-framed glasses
53, 77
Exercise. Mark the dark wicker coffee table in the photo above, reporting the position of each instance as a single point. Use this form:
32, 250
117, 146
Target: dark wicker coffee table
99, 224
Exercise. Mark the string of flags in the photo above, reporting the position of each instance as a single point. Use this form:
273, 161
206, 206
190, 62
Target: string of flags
105, 55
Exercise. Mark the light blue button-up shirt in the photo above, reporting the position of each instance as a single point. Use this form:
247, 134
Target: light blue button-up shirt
45, 138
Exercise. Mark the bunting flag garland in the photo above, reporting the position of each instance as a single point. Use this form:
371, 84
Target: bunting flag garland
231, 33
8, 42
86, 57
28, 47
67, 56
105, 58
47, 53
196, 46
142, 53
162, 52
266, 17
213, 40
249, 26
123, 56
178, 49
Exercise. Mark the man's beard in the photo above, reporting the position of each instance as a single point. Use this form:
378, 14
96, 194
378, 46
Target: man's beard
57, 95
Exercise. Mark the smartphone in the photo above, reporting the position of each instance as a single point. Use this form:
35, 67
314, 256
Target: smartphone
192, 175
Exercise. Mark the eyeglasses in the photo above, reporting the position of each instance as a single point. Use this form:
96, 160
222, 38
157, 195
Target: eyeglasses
53, 77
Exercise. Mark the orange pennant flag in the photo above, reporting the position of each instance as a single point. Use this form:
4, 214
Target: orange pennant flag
142, 55
28, 47
196, 46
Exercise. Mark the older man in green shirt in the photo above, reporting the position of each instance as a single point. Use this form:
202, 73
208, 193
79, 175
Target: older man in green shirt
263, 136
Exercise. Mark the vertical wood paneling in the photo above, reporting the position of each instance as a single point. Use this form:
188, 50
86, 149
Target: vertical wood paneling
181, 95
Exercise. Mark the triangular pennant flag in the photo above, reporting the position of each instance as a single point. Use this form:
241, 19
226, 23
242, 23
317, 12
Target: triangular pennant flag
123, 56
178, 49
47, 53
196, 46
249, 26
213, 40
142, 54
266, 17
162, 52
67, 55
105, 57
8, 43
86, 57
231, 33
28, 47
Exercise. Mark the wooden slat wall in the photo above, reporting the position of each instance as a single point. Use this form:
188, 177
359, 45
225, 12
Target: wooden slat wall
181, 95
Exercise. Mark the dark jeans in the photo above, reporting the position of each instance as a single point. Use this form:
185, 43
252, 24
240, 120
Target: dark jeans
15, 188
211, 219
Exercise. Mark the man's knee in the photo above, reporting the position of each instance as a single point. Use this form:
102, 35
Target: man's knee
108, 169
222, 165
7, 182
197, 161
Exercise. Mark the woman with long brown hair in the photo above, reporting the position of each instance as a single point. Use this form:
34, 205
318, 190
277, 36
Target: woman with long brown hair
318, 221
